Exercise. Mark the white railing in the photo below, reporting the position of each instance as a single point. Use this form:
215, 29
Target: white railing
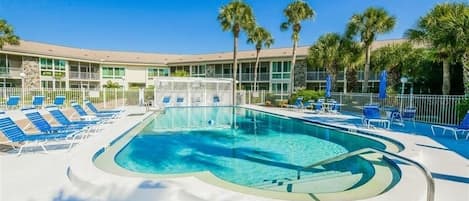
84, 75
433, 109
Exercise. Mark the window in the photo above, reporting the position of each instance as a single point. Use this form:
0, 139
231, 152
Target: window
59, 65
198, 71
281, 70
158, 72
52, 67
113, 72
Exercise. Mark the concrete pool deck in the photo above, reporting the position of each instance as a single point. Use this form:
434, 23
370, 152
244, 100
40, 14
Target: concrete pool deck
38, 176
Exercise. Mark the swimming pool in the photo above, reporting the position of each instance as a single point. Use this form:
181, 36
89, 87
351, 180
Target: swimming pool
251, 148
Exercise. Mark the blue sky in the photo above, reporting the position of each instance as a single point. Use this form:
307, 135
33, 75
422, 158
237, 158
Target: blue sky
181, 26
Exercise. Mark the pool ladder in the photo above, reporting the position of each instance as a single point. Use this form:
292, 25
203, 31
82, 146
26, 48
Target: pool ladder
425, 171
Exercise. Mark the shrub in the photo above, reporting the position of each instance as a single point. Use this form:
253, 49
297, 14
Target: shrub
462, 108
307, 95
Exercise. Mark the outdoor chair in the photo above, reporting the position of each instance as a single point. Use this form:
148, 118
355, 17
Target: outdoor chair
308, 104
13, 102
60, 117
59, 101
91, 106
18, 138
461, 128
371, 114
42, 125
298, 103
335, 107
38, 101
216, 100
407, 114
179, 101
84, 115
166, 101
318, 105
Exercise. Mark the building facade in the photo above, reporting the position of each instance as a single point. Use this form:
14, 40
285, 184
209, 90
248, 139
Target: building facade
39, 65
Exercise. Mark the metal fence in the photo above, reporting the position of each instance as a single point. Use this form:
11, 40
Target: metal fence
434, 109
106, 98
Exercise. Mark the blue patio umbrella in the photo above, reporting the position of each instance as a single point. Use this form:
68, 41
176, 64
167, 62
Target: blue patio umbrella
328, 86
382, 85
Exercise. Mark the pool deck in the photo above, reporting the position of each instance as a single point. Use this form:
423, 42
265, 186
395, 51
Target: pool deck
45, 177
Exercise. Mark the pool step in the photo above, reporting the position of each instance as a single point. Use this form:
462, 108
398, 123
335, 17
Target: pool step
331, 182
285, 180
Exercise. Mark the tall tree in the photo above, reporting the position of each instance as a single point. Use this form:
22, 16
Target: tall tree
368, 25
261, 38
236, 16
7, 35
351, 56
445, 28
325, 53
295, 12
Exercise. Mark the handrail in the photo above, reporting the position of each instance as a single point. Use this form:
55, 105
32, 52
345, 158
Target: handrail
428, 176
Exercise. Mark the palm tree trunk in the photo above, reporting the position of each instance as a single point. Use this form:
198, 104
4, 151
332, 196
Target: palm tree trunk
292, 67
235, 67
367, 69
255, 68
345, 80
446, 77
465, 64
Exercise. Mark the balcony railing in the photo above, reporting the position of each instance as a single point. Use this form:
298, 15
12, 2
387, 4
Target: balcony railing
84, 76
10, 71
321, 76
250, 76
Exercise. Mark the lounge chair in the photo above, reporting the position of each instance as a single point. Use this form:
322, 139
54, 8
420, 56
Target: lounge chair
42, 125
13, 101
298, 103
318, 107
84, 115
90, 105
335, 107
62, 119
59, 101
166, 101
38, 101
15, 135
461, 128
371, 115
407, 114
179, 101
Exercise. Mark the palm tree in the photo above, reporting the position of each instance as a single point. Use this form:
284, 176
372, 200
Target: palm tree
368, 25
325, 53
261, 38
445, 29
295, 12
236, 16
351, 56
7, 35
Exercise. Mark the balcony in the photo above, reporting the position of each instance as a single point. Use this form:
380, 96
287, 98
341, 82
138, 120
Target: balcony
83, 76
321, 76
10, 71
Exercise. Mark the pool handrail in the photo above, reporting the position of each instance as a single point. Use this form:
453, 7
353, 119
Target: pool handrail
425, 171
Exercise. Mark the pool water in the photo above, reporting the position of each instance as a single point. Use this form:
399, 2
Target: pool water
238, 145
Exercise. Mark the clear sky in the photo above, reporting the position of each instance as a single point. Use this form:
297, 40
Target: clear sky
181, 26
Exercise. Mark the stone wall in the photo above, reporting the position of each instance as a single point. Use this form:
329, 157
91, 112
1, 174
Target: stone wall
31, 70
300, 74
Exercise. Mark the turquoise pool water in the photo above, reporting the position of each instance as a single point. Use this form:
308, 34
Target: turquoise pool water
238, 145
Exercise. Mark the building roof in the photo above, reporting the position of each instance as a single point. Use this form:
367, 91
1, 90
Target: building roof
139, 58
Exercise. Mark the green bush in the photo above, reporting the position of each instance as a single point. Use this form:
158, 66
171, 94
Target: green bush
307, 95
462, 108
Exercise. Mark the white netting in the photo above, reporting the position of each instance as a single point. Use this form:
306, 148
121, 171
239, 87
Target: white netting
185, 91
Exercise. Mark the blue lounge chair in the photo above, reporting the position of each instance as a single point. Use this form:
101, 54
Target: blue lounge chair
179, 101
461, 128
84, 114
216, 100
371, 115
42, 125
90, 105
15, 135
38, 101
318, 105
62, 119
298, 103
59, 101
166, 101
335, 107
13, 101
407, 114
